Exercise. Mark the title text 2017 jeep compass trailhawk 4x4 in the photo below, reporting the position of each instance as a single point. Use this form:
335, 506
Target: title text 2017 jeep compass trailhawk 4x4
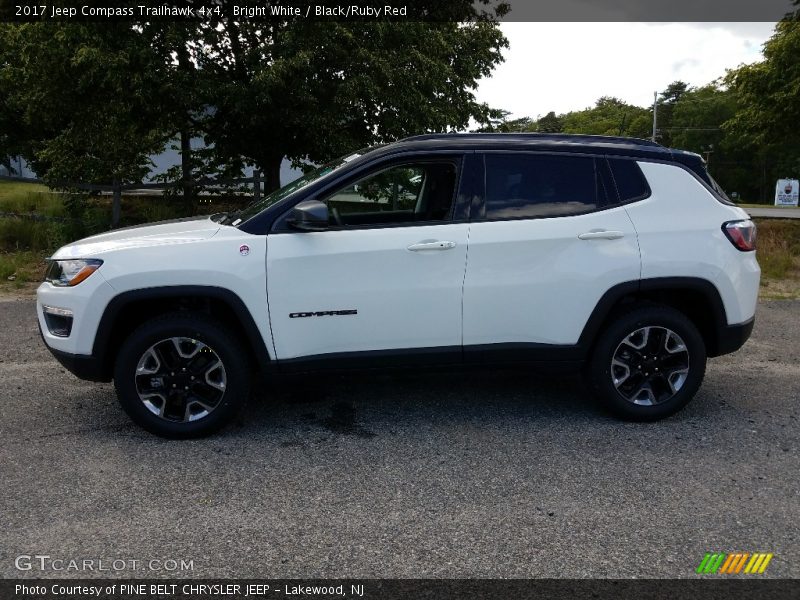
615, 253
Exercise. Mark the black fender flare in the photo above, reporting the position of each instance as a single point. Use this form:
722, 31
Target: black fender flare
615, 294
114, 308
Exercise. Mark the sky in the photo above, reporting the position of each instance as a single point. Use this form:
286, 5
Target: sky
567, 66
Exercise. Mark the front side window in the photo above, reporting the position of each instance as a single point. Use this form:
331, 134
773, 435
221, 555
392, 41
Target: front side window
312, 176
520, 186
408, 193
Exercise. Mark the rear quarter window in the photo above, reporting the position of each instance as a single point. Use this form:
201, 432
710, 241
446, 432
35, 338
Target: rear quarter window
629, 180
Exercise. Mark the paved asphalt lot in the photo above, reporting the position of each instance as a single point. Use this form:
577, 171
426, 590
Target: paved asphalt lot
774, 213
487, 474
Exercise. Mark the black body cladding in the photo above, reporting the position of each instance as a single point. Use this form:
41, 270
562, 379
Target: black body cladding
722, 339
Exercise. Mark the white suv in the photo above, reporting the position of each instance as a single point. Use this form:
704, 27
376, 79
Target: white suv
616, 254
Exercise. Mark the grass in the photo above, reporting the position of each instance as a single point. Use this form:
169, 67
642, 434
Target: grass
25, 241
69, 217
23, 234
14, 189
17, 269
779, 256
27, 198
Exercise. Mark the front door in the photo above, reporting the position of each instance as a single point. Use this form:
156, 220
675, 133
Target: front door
386, 277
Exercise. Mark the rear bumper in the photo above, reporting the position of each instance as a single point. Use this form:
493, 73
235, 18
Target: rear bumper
733, 337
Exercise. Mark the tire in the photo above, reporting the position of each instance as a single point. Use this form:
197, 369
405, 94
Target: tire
181, 350
650, 346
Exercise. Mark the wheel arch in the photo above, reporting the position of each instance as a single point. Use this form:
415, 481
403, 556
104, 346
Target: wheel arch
126, 311
697, 298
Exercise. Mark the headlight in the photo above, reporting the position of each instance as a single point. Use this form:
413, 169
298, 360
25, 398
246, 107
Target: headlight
71, 272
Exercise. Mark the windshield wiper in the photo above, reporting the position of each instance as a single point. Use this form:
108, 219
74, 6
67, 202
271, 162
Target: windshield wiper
224, 218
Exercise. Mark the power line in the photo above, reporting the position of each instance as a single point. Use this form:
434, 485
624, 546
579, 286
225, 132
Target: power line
690, 101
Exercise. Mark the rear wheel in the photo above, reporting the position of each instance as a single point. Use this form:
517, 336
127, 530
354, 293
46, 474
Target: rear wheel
181, 375
648, 363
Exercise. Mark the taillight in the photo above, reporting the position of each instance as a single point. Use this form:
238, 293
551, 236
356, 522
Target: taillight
742, 234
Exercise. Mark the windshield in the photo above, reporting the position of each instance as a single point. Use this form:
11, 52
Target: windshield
316, 174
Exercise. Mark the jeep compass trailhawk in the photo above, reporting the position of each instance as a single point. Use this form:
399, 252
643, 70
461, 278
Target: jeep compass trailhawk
616, 254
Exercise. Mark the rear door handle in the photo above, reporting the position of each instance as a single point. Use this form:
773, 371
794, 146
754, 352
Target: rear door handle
601, 235
432, 245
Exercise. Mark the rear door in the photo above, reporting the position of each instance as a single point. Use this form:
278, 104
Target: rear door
385, 280
550, 239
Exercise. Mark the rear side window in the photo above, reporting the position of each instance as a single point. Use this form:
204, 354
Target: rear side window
524, 186
723, 197
629, 179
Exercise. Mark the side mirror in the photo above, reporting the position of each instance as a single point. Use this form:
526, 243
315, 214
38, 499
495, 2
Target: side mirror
311, 215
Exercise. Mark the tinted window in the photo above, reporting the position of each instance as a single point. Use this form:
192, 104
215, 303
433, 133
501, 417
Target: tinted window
527, 185
278, 195
399, 194
629, 179
715, 186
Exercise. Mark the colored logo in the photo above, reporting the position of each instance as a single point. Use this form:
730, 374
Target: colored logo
788, 188
244, 249
739, 562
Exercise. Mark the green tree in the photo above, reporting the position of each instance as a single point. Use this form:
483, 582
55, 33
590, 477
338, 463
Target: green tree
499, 122
609, 116
91, 102
312, 90
550, 123
768, 110
698, 116
82, 101
175, 46
666, 105
674, 91
697, 124
11, 131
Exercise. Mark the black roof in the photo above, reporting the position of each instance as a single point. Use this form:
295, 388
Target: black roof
536, 138
555, 142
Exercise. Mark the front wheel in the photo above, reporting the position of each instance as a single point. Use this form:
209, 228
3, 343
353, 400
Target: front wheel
181, 375
648, 363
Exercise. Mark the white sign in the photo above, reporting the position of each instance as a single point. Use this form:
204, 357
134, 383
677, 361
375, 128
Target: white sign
786, 192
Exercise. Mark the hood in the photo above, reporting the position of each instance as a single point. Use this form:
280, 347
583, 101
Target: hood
179, 231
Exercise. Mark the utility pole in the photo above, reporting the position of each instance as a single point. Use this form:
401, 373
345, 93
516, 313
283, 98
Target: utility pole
655, 118
708, 152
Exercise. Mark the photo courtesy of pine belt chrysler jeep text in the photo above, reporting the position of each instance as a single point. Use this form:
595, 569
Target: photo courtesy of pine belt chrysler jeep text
614, 254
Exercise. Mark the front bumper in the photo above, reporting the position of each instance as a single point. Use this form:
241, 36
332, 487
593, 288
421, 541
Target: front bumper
87, 303
83, 366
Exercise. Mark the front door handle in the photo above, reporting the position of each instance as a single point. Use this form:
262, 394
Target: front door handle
431, 245
601, 235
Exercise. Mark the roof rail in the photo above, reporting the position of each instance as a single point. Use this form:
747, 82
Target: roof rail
554, 137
